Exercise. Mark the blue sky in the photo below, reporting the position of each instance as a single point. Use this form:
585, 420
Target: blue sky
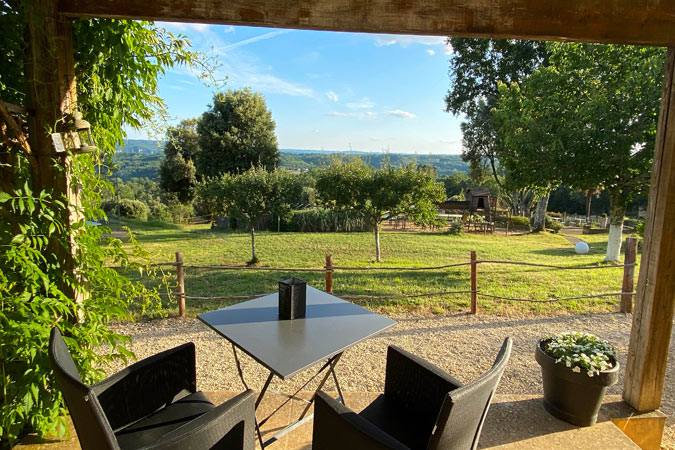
328, 90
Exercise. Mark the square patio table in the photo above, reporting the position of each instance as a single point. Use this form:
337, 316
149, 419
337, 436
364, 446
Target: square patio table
287, 347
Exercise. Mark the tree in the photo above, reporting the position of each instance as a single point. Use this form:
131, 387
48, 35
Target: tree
588, 120
236, 133
252, 194
117, 66
177, 173
477, 66
376, 195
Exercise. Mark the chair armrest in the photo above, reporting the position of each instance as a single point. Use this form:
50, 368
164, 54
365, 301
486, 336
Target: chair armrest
415, 384
147, 385
230, 425
337, 427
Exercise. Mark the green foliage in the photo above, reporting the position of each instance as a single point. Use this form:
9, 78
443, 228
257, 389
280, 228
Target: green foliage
580, 351
117, 65
640, 228
376, 195
477, 66
456, 185
553, 225
252, 194
126, 166
443, 164
513, 222
177, 173
235, 134
133, 209
323, 220
455, 228
588, 120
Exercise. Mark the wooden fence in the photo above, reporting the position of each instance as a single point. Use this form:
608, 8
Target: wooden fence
329, 269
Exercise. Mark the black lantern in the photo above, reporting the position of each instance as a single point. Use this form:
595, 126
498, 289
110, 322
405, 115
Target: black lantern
292, 298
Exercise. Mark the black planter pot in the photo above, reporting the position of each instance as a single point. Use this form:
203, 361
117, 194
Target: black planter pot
573, 396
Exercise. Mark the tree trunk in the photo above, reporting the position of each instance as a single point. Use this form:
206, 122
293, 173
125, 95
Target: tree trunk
377, 242
617, 210
589, 197
253, 257
539, 223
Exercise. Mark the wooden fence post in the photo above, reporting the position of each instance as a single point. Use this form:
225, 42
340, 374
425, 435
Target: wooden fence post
329, 274
628, 274
181, 284
474, 284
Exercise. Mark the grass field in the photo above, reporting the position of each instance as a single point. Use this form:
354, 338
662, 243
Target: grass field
200, 246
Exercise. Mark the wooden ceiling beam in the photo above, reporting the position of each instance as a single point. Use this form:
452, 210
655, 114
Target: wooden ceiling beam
646, 22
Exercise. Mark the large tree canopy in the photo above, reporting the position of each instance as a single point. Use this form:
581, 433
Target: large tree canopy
588, 119
477, 66
177, 173
235, 134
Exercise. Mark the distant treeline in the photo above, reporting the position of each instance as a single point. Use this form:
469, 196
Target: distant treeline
140, 159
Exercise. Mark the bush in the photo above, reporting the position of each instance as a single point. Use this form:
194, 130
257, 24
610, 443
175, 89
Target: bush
514, 222
323, 220
640, 228
554, 225
555, 214
455, 228
133, 209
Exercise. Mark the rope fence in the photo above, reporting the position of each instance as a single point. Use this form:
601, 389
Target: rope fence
329, 269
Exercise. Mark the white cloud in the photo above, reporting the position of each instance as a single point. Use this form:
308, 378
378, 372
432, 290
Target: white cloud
430, 52
262, 37
402, 114
384, 40
364, 115
270, 83
448, 50
332, 96
364, 103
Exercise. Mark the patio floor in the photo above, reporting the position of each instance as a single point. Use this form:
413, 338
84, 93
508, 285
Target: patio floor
514, 422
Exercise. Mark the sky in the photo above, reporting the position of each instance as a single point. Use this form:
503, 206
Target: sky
327, 90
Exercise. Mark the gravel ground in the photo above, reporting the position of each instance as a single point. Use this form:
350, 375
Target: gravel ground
461, 344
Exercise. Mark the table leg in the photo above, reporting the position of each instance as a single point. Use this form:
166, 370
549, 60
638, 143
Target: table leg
241, 376
333, 361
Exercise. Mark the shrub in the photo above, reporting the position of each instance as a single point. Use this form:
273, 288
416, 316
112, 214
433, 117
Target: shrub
640, 228
133, 209
324, 220
455, 227
554, 225
514, 222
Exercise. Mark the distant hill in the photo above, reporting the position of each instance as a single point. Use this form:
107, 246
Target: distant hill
141, 159
141, 146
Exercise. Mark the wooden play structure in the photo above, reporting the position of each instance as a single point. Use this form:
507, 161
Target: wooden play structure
478, 211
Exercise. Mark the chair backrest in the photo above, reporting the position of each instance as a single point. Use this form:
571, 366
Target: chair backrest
462, 415
93, 429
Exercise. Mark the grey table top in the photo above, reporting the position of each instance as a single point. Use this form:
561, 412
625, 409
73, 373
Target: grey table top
287, 347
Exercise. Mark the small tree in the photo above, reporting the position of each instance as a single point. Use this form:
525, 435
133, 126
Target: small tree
252, 195
177, 173
236, 133
379, 194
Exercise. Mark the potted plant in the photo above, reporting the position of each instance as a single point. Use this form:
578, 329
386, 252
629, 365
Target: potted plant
576, 369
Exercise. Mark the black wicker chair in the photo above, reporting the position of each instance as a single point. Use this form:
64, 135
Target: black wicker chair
152, 404
422, 408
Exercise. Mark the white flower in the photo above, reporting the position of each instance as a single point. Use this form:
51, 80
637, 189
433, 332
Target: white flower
576, 369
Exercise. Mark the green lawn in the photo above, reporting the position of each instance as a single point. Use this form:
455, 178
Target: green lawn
200, 246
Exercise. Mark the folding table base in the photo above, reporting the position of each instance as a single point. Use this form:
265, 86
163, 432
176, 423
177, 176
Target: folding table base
330, 365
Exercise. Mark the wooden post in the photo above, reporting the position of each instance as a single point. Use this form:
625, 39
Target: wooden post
628, 274
474, 284
49, 68
180, 294
655, 294
329, 274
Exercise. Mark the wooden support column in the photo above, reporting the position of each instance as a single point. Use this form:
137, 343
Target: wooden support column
655, 294
50, 78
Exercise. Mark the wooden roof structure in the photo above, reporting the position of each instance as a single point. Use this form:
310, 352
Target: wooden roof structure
51, 76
